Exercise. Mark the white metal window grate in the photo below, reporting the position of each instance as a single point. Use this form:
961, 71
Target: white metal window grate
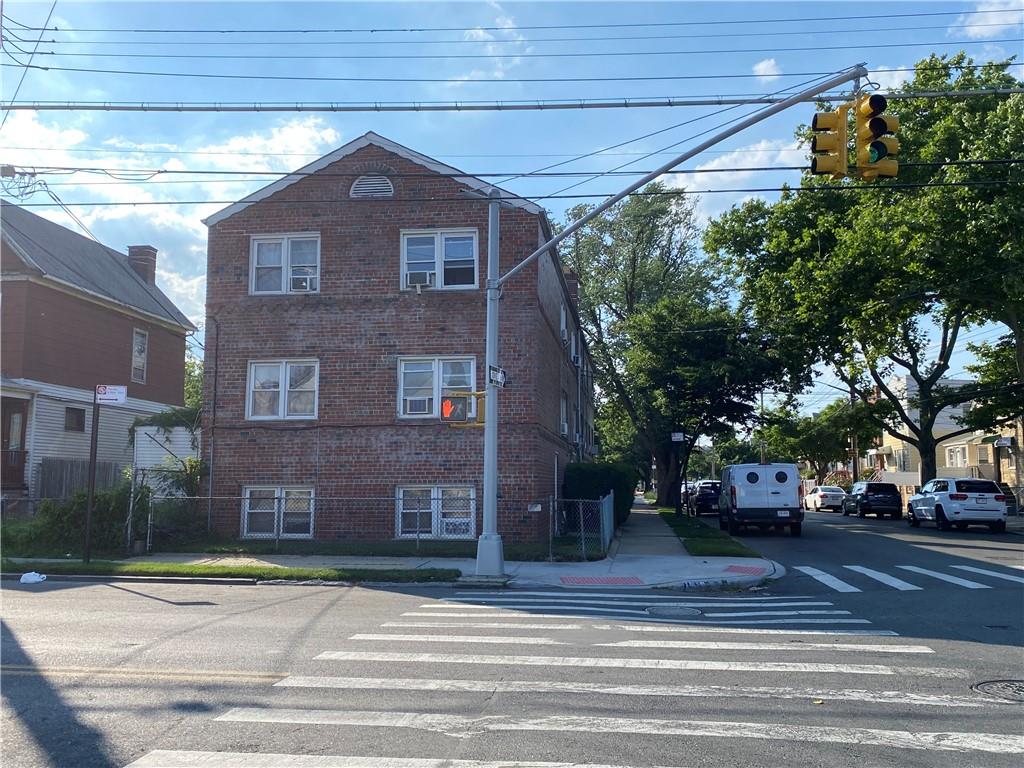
372, 186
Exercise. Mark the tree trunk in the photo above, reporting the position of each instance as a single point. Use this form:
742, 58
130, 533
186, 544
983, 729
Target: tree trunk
668, 476
926, 448
819, 472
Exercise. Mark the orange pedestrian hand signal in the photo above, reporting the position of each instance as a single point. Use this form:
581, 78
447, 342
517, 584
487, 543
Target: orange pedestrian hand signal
455, 408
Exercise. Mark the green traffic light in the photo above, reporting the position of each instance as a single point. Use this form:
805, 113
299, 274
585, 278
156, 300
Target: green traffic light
877, 150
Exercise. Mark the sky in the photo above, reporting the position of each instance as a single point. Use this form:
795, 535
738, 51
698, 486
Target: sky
483, 52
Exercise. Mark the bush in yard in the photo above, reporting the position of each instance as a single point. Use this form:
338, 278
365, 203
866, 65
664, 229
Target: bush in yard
593, 480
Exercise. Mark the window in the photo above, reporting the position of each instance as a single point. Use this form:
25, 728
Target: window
902, 459
564, 414
781, 477
976, 486
422, 382
983, 455
283, 389
74, 419
956, 456
277, 512
940, 486
563, 325
753, 477
440, 259
140, 349
437, 512
285, 264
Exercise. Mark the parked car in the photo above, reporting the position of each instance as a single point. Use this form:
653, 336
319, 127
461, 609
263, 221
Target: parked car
879, 499
704, 498
825, 497
765, 495
958, 502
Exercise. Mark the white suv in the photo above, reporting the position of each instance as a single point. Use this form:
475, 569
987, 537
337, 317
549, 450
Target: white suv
959, 502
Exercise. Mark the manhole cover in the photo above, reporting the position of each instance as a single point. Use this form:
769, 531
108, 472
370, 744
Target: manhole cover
672, 611
1008, 690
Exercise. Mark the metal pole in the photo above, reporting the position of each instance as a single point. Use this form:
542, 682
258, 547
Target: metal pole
845, 76
854, 448
91, 493
490, 557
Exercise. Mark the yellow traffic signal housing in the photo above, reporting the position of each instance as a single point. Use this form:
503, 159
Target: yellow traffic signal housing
830, 143
874, 139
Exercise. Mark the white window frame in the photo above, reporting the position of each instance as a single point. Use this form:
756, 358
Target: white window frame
436, 367
282, 404
437, 522
145, 355
279, 495
285, 287
439, 235
960, 454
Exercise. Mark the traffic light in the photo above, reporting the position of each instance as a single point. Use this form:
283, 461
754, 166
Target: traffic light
875, 143
455, 408
830, 143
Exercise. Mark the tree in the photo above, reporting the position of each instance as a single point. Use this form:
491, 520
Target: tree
193, 382
998, 395
858, 277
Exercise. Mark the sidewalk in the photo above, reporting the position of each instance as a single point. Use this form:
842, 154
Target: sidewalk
645, 553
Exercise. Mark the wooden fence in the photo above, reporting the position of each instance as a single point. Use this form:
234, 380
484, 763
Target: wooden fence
60, 478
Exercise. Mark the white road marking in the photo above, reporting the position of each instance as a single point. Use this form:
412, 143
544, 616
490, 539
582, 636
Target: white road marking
542, 606
778, 613
612, 663
165, 758
447, 606
715, 629
829, 581
463, 727
473, 625
993, 574
460, 639
645, 618
892, 581
790, 646
701, 691
584, 603
945, 577
507, 592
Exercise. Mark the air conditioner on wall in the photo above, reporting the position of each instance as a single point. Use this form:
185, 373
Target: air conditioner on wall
565, 337
419, 280
565, 429
576, 360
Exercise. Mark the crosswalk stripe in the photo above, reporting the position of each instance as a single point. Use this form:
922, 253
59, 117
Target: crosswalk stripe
993, 574
461, 726
778, 613
790, 646
945, 577
473, 625
498, 640
513, 617
615, 663
829, 581
900, 698
646, 597
445, 606
542, 606
498, 602
716, 629
892, 581
167, 758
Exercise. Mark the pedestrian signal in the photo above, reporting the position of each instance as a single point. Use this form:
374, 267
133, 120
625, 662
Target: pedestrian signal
455, 408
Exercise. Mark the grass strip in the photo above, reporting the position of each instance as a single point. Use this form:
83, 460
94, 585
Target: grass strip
701, 539
257, 572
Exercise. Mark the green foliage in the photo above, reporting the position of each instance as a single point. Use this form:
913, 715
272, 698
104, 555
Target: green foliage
193, 382
999, 392
593, 480
187, 416
702, 539
58, 527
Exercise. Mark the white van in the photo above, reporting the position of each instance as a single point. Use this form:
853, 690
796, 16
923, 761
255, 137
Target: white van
764, 495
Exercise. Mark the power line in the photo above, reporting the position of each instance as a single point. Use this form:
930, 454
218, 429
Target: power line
620, 25
517, 55
462, 81
662, 193
24, 72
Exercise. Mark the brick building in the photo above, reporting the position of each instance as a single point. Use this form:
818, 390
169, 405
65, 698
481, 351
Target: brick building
76, 314
343, 302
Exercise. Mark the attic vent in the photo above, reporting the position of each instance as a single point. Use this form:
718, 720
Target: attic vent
372, 186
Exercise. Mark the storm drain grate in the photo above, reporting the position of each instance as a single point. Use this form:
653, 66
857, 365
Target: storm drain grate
1007, 690
672, 611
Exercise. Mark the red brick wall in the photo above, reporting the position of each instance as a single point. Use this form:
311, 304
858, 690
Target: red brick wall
79, 343
358, 326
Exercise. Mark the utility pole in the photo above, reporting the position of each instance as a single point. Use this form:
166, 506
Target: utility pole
854, 449
489, 559
91, 492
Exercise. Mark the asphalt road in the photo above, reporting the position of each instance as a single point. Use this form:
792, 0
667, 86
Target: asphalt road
798, 674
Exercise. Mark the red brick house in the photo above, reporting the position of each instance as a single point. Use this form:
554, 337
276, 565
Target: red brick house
343, 302
76, 314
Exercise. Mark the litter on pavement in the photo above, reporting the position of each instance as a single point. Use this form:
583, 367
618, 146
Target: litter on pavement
32, 577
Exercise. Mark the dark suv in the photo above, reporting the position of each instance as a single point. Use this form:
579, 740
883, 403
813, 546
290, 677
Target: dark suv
877, 499
704, 498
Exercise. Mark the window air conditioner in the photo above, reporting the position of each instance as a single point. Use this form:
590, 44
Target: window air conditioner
565, 429
565, 337
576, 360
302, 284
420, 279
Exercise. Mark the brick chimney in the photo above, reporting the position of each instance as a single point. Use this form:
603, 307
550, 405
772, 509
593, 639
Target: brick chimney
572, 281
143, 260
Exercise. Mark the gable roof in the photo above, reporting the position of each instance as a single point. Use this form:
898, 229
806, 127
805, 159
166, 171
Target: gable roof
367, 139
79, 262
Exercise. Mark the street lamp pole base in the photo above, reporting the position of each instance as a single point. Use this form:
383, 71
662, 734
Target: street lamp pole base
490, 556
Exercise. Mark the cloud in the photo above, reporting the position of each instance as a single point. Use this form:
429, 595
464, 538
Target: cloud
998, 16
767, 70
890, 79
506, 41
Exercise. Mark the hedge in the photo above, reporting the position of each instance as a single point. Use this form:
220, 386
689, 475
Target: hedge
593, 480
